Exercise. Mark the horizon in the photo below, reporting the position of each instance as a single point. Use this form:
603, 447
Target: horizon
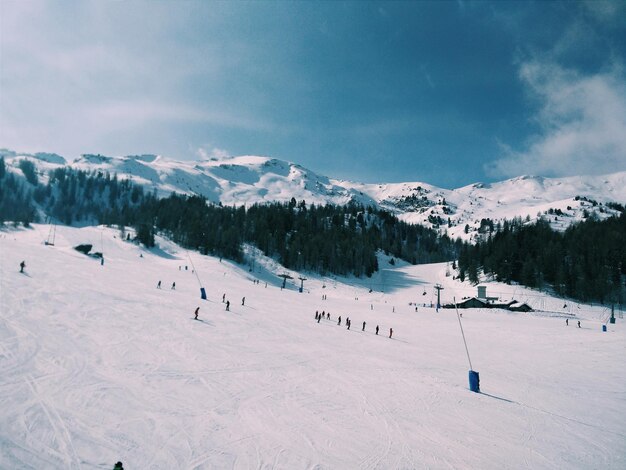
449, 93
11, 153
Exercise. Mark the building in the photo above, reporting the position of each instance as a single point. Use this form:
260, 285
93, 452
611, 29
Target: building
470, 302
520, 307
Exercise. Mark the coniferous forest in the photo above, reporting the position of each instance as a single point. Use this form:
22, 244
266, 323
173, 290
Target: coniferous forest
325, 239
586, 262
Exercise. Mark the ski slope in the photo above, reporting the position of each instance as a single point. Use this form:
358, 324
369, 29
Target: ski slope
98, 365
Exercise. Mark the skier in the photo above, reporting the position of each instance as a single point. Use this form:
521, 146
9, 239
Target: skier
228, 305
316, 314
159, 285
173, 285
339, 321
348, 322
196, 312
578, 323
566, 321
22, 266
243, 301
328, 315
118, 466
377, 329
363, 329
390, 332
319, 318
223, 298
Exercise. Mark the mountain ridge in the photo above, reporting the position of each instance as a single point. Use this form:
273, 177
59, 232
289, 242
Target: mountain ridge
462, 212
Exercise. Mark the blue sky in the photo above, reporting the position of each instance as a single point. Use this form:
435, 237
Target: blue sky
449, 93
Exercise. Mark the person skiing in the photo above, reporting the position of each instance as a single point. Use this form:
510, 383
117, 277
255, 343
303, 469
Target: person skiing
339, 321
223, 298
243, 301
566, 321
196, 312
390, 332
328, 315
316, 314
228, 305
22, 266
118, 466
173, 285
159, 285
578, 323
348, 322
377, 329
319, 317
363, 329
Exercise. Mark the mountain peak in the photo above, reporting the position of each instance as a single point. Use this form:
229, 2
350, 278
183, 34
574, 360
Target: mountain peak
250, 179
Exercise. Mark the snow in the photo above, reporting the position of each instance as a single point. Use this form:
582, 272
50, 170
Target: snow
97, 365
254, 179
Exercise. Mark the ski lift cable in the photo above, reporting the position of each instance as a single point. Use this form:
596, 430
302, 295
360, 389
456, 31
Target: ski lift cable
462, 333
195, 271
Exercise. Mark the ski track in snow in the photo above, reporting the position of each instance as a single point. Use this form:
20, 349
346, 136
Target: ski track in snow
97, 365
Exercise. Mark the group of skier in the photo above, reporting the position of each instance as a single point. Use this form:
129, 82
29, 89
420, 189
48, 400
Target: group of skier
173, 285
567, 322
326, 316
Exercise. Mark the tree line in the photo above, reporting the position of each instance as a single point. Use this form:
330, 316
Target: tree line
586, 262
322, 238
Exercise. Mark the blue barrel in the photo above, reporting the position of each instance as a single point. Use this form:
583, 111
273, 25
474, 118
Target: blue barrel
202, 293
474, 381
603, 327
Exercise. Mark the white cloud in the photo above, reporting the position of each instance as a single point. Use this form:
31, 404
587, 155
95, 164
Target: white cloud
207, 154
605, 10
582, 121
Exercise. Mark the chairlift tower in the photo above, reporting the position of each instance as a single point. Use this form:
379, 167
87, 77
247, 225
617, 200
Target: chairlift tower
438, 288
302, 279
285, 277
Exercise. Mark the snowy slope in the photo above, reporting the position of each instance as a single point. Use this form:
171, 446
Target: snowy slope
97, 365
250, 179
524, 196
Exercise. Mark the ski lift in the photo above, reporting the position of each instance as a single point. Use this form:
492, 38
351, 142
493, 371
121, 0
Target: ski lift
51, 235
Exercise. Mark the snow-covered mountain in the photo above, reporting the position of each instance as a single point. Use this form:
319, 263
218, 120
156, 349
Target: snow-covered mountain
459, 212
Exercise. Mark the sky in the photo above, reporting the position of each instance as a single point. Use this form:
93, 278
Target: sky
448, 93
